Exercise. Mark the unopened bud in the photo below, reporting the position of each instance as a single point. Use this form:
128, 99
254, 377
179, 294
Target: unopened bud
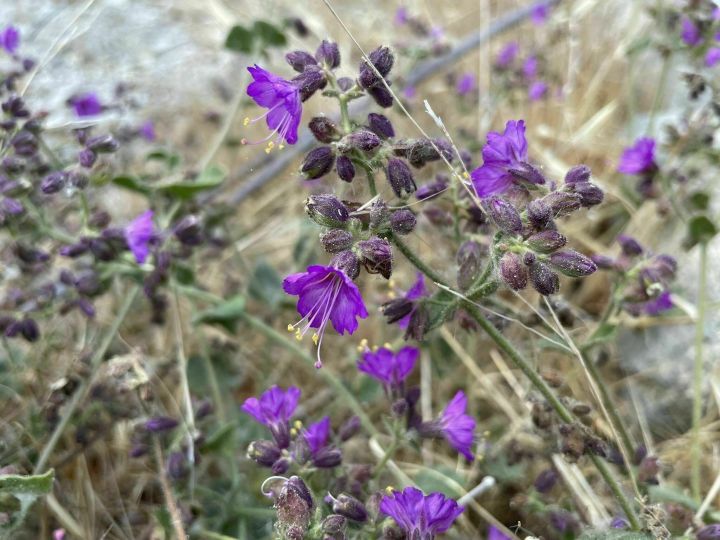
189, 231
546, 480
328, 53
379, 213
53, 182
102, 144
336, 240
418, 324
87, 158
380, 125
345, 168
160, 424
318, 162
263, 452
402, 221
347, 262
539, 213
504, 214
350, 428
382, 96
546, 241
327, 210
361, 139
323, 129
327, 457
294, 506
578, 174
281, 466
543, 279
527, 172
383, 61
350, 507
513, 273
376, 256
400, 177
397, 309
629, 246
310, 81
562, 203
334, 524
468, 258
590, 194
572, 264
298, 60
434, 188
709, 532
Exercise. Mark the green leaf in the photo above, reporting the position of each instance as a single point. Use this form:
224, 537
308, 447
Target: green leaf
36, 485
266, 285
700, 229
240, 39
171, 159
225, 314
699, 200
131, 183
210, 178
269, 34
219, 439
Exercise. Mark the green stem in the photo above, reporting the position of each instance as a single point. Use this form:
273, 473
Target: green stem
80, 392
371, 181
420, 265
386, 457
344, 114
695, 470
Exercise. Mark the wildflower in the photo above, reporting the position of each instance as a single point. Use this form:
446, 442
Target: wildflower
325, 293
712, 56
391, 369
690, 32
376, 255
10, 39
530, 67
316, 436
540, 14
147, 130
494, 533
420, 516
537, 90
454, 426
466, 84
281, 98
638, 158
507, 54
502, 153
138, 235
656, 306
348, 506
401, 16
400, 310
87, 104
274, 410
160, 423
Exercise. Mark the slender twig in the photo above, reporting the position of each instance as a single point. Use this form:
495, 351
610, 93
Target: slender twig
698, 375
172, 507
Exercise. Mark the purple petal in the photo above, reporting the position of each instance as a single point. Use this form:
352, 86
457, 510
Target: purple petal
138, 235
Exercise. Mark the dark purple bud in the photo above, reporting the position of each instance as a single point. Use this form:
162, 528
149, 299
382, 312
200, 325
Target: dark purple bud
629, 246
397, 309
350, 428
383, 61
88, 284
29, 329
350, 507
572, 264
263, 452
160, 424
99, 220
281, 466
590, 194
15, 107
562, 203
33, 125
310, 81
639, 454
382, 96
30, 255
86, 307
432, 189
348, 262
362, 139
328, 53
513, 273
327, 457
621, 523
176, 466
12, 165
564, 521
527, 172
421, 151
138, 450
299, 59
334, 525
12, 206
504, 214
74, 250
297, 486
400, 177
546, 480
438, 217
379, 213
336, 240
327, 210
318, 162
281, 434
380, 125
709, 532
345, 168
189, 231
87, 158
376, 256
323, 129
402, 221
578, 174
24, 143
546, 241
543, 279
77, 179
539, 213
102, 144
67, 277
204, 409
102, 249
419, 323
603, 261
469, 258
53, 182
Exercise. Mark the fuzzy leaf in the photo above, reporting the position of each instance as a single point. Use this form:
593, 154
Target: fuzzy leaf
269, 34
225, 314
266, 285
36, 485
131, 183
240, 39
210, 178
700, 229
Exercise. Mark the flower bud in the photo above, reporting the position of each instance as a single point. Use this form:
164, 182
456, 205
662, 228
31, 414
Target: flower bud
176, 466
709, 532
469, 258
504, 214
189, 231
345, 168
527, 172
74, 250
336, 240
334, 524
400, 177
578, 174
361, 139
421, 151
376, 256
298, 60
12, 206
382, 96
350, 428
383, 61
281, 466
310, 81
327, 457
347, 262
512, 271
620, 523
327, 210
603, 261
379, 213
402, 221
12, 165
590, 194
572, 264
539, 213
295, 487
87, 158
380, 125
546, 241
323, 129
418, 324
396, 309
432, 189
53, 182
15, 107
318, 162
546, 480
160, 424
543, 279
328, 53
27, 328
24, 143
350, 507
399, 408
102, 144
562, 203
630, 247
263, 452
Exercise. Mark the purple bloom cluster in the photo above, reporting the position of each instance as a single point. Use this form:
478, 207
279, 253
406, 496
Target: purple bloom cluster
638, 158
420, 516
10, 39
454, 425
391, 369
281, 98
274, 409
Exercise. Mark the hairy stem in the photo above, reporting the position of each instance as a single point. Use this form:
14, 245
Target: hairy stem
420, 265
695, 470
371, 181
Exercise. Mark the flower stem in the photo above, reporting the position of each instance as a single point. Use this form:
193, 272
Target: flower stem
695, 470
344, 114
386, 457
80, 392
420, 265
371, 181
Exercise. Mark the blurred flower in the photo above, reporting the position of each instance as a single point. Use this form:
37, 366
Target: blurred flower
420, 516
406, 304
507, 54
324, 294
281, 98
138, 235
87, 104
10, 39
712, 56
409, 92
690, 33
537, 90
530, 67
401, 16
467, 84
274, 410
540, 14
494, 533
502, 153
147, 130
389, 368
639, 157
453, 425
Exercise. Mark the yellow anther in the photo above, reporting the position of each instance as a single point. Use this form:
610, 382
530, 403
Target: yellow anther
364, 342
375, 348
298, 424
281, 147
271, 144
391, 283
267, 150
291, 328
293, 432
392, 295
486, 433
466, 175
298, 335
389, 490
315, 339
246, 121
386, 345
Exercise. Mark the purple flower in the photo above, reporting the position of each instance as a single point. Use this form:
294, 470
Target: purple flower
147, 130
325, 294
494, 533
409, 92
690, 33
507, 54
662, 302
540, 14
401, 16
281, 98
420, 516
502, 153
537, 90
389, 368
138, 235
10, 39
87, 104
415, 292
530, 67
274, 410
316, 435
467, 84
458, 427
712, 56
638, 158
